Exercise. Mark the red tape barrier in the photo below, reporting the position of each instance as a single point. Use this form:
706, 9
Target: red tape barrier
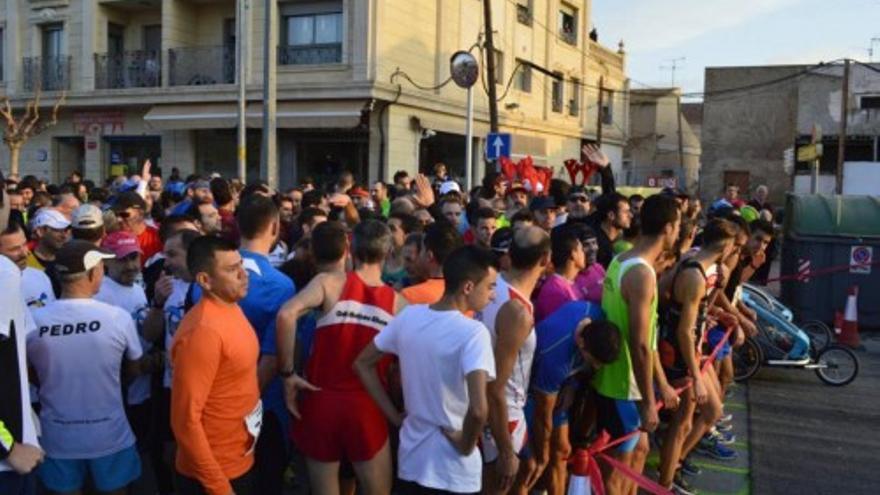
806, 275
597, 449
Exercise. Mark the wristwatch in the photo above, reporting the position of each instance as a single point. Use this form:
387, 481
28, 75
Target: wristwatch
286, 374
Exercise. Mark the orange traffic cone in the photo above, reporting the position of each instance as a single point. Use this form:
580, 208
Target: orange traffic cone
579, 483
850, 331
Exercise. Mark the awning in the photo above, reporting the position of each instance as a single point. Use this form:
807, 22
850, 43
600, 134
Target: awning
310, 114
192, 116
288, 114
449, 123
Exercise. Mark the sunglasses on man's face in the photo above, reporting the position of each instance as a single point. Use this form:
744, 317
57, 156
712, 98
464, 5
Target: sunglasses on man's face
579, 199
124, 214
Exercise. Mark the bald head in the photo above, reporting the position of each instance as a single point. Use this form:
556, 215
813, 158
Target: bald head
402, 205
530, 248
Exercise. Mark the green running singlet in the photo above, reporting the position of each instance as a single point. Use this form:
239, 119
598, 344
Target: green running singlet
616, 379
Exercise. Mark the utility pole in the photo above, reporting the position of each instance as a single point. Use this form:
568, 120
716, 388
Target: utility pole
269, 151
841, 137
680, 143
599, 116
672, 67
490, 66
241, 60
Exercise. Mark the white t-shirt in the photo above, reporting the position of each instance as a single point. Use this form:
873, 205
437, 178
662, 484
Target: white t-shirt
36, 288
174, 310
437, 349
15, 315
77, 351
133, 300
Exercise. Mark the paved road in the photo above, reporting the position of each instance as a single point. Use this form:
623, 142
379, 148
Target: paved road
809, 438
721, 477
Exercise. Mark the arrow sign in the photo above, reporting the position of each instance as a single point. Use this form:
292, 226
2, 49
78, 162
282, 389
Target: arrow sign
497, 146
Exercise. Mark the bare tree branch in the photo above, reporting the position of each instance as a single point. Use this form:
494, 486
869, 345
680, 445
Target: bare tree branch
6, 113
31, 118
54, 119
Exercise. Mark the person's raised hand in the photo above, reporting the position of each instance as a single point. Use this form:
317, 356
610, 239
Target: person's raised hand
424, 193
339, 200
145, 171
595, 155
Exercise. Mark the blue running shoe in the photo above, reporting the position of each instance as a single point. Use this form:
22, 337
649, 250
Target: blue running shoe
711, 448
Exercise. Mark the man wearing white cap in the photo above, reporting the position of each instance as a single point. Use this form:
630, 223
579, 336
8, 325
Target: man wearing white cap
52, 230
77, 350
87, 223
449, 186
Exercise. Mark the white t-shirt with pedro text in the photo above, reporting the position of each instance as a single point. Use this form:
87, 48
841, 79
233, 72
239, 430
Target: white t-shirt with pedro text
78, 350
437, 350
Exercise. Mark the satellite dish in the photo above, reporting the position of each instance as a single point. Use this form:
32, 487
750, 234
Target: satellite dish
464, 69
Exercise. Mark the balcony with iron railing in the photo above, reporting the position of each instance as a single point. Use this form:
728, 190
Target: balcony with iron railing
316, 54
569, 36
132, 69
46, 73
202, 65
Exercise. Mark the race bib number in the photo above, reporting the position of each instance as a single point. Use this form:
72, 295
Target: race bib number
254, 422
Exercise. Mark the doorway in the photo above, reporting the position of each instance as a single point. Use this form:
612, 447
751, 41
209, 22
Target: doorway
70, 156
739, 178
130, 152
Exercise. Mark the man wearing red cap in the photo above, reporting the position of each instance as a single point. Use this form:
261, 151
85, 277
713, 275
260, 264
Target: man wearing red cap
119, 289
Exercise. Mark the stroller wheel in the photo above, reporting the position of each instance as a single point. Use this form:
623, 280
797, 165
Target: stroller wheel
838, 366
819, 333
747, 359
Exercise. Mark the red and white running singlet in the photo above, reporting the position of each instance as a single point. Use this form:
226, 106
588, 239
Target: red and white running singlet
518, 384
341, 422
343, 332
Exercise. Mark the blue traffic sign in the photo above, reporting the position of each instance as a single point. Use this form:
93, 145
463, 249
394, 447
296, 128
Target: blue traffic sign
497, 145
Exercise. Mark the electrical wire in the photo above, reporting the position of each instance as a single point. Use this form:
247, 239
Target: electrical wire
509, 81
400, 73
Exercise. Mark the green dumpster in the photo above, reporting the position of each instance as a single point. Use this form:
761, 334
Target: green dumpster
837, 240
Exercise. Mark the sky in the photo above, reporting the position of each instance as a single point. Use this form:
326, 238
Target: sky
713, 33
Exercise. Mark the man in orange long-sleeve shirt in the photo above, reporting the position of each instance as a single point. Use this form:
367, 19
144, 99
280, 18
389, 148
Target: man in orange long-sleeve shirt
216, 411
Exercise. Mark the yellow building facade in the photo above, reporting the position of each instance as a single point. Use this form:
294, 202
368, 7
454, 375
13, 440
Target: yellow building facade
359, 84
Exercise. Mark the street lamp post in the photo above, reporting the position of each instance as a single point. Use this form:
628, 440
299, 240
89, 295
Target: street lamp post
465, 70
241, 59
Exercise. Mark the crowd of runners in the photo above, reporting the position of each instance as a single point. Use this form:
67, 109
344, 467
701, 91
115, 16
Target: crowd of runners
409, 337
